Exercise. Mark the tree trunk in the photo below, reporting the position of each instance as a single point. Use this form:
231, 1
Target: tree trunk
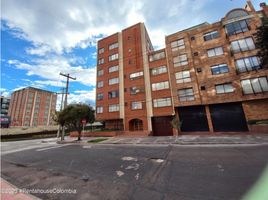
79, 135
62, 133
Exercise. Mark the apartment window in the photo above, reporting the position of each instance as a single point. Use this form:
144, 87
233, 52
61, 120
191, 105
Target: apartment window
114, 108
247, 64
113, 57
101, 50
100, 96
101, 61
180, 60
157, 56
215, 51
162, 102
100, 72
245, 44
219, 69
211, 35
99, 109
159, 70
113, 69
113, 81
236, 27
136, 75
113, 94
186, 94
224, 88
136, 90
136, 105
160, 86
100, 84
255, 85
183, 77
113, 46
178, 44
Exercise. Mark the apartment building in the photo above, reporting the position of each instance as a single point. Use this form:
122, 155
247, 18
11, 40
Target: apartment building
209, 76
32, 107
4, 105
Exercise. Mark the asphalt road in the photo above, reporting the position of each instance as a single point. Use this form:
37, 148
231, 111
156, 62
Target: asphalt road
135, 172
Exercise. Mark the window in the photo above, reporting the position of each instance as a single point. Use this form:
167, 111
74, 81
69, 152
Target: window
219, 69
113, 69
113, 46
183, 77
101, 61
178, 44
247, 64
99, 109
114, 108
180, 60
159, 70
136, 75
163, 102
113, 94
160, 86
236, 27
255, 85
101, 50
245, 44
211, 35
136, 105
113, 57
136, 90
113, 81
186, 94
157, 56
100, 84
99, 96
100, 72
215, 51
224, 88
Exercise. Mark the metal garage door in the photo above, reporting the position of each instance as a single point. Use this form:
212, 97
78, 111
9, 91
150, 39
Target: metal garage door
228, 117
193, 118
162, 126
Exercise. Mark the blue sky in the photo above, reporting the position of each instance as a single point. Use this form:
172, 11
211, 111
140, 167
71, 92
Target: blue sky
40, 39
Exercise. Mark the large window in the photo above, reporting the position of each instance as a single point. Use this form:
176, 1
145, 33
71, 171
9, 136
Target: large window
113, 81
99, 109
157, 56
136, 105
101, 61
183, 77
113, 57
99, 96
113, 46
186, 94
180, 60
100, 84
236, 27
178, 44
224, 88
160, 86
136, 90
219, 69
159, 70
136, 75
247, 64
245, 44
113, 69
255, 85
215, 51
100, 72
114, 108
163, 102
211, 35
113, 94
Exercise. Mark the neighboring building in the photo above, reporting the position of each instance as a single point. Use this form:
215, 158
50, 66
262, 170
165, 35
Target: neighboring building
208, 75
4, 118
32, 107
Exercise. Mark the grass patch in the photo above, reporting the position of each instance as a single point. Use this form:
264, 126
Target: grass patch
97, 140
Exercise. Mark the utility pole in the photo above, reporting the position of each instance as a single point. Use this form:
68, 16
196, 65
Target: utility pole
61, 104
66, 96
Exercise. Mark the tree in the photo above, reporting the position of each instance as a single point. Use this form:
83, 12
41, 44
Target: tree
262, 42
72, 117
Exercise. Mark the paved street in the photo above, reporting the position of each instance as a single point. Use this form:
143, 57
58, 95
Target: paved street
134, 172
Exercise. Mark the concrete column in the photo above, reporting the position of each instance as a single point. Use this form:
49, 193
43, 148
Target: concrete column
210, 125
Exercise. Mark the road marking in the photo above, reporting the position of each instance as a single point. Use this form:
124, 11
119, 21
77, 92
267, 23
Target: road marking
54, 147
18, 150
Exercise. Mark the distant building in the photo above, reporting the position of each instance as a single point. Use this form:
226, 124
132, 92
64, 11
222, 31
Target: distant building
209, 76
4, 118
32, 107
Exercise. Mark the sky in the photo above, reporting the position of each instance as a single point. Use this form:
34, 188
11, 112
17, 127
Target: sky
41, 38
